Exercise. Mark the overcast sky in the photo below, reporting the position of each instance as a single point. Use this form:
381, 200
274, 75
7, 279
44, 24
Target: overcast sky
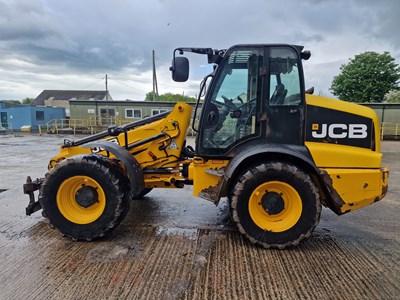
72, 44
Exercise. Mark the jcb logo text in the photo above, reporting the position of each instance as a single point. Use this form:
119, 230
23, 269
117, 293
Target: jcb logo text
339, 131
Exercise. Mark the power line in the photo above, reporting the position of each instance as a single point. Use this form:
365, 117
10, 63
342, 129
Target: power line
93, 84
107, 78
139, 89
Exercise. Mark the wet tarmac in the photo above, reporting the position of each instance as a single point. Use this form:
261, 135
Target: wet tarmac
172, 245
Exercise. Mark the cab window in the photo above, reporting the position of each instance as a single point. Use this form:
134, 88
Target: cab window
230, 114
284, 77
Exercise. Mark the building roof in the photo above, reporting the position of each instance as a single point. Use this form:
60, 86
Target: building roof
71, 95
131, 103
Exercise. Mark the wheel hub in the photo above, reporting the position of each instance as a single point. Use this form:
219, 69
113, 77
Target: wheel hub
272, 203
86, 196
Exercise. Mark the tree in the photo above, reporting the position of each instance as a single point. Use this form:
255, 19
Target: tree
169, 97
366, 78
150, 96
392, 97
28, 100
11, 102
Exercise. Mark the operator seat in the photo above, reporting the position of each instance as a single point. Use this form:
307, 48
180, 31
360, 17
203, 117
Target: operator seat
279, 95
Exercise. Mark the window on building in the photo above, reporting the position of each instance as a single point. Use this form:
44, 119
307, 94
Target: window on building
107, 112
157, 111
133, 113
40, 115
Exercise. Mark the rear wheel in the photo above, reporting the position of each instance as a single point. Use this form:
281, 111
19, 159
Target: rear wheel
85, 197
275, 205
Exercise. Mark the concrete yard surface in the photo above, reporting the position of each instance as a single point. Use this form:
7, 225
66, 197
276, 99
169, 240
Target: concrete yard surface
172, 245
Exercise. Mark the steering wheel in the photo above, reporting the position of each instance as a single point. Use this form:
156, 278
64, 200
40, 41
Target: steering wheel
228, 103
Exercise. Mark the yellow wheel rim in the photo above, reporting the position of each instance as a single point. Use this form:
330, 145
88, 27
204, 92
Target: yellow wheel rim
71, 209
277, 219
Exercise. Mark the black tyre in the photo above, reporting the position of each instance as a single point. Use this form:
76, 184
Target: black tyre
143, 193
124, 186
85, 197
275, 205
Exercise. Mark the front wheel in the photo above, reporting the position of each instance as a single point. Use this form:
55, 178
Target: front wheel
143, 193
85, 197
275, 205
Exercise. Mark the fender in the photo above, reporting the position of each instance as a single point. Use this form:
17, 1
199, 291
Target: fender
135, 173
270, 151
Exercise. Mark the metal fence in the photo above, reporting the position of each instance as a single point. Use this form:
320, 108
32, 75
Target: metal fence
79, 126
390, 130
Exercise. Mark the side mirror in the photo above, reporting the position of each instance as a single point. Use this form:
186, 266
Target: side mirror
310, 91
305, 55
180, 69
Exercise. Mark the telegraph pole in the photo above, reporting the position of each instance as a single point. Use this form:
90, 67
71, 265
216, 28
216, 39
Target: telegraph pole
107, 87
106, 83
155, 86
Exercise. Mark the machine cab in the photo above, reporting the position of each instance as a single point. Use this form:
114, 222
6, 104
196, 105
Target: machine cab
256, 95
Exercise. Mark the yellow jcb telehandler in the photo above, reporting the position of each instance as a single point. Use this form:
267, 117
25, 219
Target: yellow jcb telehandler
275, 150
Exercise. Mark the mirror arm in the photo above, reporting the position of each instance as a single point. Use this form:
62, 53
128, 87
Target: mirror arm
202, 87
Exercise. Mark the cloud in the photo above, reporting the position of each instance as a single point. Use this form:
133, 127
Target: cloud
73, 44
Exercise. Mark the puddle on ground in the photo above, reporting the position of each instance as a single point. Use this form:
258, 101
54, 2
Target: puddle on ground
107, 253
190, 233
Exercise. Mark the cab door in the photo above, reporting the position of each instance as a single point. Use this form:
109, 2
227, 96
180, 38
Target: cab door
285, 100
231, 111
